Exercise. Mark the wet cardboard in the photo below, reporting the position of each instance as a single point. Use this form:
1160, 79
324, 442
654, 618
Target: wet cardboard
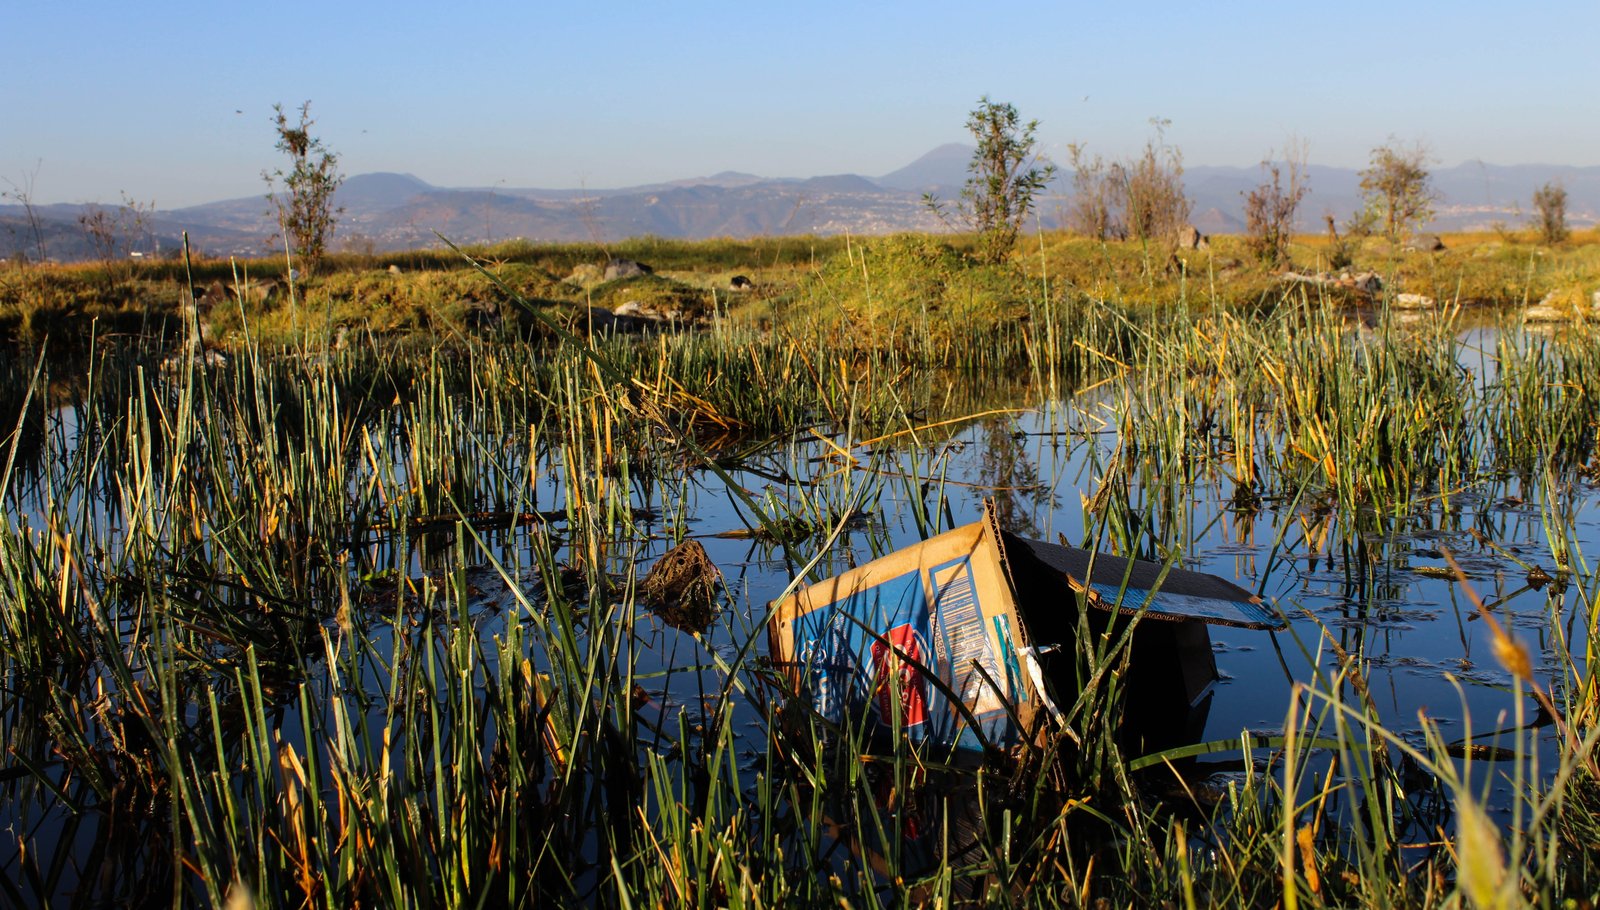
946, 605
966, 606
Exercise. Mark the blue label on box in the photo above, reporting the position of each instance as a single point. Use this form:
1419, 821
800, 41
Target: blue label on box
850, 671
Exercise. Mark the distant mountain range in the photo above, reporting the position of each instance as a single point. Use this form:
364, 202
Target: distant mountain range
386, 211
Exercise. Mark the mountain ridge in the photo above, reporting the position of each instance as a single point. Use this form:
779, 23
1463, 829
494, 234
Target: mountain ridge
385, 211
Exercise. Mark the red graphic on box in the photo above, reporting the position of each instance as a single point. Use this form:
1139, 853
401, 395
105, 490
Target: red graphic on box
889, 669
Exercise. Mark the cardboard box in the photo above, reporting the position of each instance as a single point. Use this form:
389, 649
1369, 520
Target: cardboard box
977, 609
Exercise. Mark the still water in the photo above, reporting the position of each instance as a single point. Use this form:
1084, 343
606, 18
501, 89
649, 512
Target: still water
1383, 594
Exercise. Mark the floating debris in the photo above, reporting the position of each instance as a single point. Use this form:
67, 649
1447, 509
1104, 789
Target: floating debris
681, 587
986, 613
1538, 578
1444, 572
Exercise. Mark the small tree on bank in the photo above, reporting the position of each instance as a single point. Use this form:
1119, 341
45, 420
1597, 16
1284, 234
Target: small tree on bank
1550, 212
304, 205
1006, 175
1396, 189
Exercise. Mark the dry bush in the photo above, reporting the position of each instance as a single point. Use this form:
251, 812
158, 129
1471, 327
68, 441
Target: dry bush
1096, 197
1154, 205
1269, 209
114, 234
1550, 212
1140, 199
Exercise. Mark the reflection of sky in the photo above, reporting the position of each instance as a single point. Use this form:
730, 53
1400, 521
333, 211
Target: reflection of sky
1414, 632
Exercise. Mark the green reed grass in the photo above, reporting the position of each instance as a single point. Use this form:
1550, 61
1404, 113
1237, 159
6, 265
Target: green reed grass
224, 669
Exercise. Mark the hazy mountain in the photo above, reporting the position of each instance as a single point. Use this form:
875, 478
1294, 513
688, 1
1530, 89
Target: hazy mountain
379, 191
65, 239
387, 211
22, 238
1214, 220
823, 205
940, 171
1222, 191
724, 179
839, 183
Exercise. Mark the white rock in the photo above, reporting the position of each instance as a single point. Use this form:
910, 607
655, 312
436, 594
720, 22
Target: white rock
632, 308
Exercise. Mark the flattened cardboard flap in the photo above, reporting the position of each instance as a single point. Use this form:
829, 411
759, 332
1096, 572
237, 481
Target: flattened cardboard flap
1180, 595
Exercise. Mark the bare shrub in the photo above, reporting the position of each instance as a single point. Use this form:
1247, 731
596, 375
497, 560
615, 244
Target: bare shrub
22, 194
115, 233
1269, 209
1096, 197
1154, 205
1550, 212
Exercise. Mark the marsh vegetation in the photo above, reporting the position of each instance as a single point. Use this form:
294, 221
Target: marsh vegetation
357, 620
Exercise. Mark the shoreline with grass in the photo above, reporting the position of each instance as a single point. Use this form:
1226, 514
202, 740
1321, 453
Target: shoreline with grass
874, 286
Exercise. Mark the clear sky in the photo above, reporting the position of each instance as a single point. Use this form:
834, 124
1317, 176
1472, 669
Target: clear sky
171, 101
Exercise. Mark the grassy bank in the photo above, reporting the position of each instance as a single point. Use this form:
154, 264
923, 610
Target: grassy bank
877, 284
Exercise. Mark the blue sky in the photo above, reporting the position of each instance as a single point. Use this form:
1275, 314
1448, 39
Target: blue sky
171, 102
